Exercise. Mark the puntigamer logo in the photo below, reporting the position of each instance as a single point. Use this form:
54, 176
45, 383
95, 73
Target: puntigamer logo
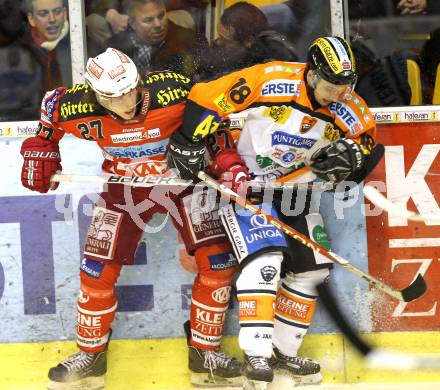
282, 138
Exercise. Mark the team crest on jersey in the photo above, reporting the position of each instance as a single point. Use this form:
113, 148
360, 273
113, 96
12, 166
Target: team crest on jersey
307, 123
279, 114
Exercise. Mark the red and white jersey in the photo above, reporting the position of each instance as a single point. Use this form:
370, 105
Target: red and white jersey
135, 147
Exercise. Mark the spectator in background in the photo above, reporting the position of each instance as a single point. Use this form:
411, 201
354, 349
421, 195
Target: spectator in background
11, 21
105, 18
47, 38
382, 82
429, 59
154, 42
414, 7
244, 39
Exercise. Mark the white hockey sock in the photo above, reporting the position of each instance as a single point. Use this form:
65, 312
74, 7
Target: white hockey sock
256, 292
295, 307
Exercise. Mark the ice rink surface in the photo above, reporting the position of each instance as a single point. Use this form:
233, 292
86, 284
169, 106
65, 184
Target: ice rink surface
351, 386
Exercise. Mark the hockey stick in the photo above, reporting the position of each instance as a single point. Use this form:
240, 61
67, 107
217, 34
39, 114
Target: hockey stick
375, 197
375, 357
170, 180
413, 291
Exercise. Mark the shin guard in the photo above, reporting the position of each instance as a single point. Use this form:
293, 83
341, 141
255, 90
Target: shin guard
256, 292
295, 306
96, 304
211, 293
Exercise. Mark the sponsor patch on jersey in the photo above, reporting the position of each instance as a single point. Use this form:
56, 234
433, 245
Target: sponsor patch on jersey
278, 68
162, 76
49, 105
330, 133
264, 162
69, 110
236, 123
287, 157
281, 87
279, 114
103, 233
135, 136
223, 103
169, 95
222, 261
283, 138
137, 151
76, 88
347, 116
92, 268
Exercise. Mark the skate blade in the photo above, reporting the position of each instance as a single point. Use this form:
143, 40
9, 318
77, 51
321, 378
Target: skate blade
91, 383
207, 380
289, 380
282, 379
250, 384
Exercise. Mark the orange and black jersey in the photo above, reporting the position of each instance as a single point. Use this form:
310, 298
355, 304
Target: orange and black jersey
130, 147
272, 84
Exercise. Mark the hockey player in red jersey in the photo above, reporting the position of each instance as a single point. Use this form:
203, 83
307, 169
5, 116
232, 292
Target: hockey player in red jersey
131, 119
295, 122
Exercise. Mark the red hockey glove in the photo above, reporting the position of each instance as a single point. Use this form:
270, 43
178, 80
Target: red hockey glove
41, 160
230, 169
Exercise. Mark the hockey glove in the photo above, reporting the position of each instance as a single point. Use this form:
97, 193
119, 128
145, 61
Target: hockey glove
230, 169
186, 157
41, 160
338, 161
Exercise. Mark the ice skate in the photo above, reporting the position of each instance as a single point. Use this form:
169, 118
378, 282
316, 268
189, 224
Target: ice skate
213, 368
257, 371
80, 371
302, 371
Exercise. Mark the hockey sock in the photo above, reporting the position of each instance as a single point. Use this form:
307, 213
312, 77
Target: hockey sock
295, 306
96, 305
256, 292
211, 293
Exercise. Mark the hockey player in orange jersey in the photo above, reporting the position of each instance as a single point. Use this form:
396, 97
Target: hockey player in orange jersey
131, 119
296, 122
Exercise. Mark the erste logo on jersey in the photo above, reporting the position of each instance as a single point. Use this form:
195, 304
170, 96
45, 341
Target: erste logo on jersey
347, 116
281, 87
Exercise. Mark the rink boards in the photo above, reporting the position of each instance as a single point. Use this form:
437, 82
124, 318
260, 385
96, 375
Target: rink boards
40, 249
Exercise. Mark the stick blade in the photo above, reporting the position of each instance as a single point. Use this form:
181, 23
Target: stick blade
415, 290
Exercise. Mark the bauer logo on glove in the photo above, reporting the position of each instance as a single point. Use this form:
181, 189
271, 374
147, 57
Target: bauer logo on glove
41, 160
338, 161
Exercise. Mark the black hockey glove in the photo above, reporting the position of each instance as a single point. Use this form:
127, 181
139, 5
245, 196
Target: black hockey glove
338, 161
188, 158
